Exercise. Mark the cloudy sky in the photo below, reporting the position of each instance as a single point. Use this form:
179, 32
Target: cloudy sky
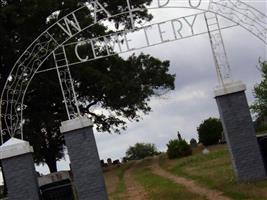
192, 101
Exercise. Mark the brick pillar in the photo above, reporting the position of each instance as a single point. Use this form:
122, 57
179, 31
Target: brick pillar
18, 167
239, 132
85, 162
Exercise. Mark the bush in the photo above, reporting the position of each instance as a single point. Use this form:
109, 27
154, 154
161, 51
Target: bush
178, 149
210, 131
140, 151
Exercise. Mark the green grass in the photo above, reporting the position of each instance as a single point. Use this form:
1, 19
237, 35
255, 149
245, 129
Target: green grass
159, 188
215, 171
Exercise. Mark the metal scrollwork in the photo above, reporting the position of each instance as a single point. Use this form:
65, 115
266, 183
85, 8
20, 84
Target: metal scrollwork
243, 14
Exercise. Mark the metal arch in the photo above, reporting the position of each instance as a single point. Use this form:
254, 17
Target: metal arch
62, 63
28, 64
113, 39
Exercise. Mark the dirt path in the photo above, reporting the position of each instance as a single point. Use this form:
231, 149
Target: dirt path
189, 184
111, 180
134, 190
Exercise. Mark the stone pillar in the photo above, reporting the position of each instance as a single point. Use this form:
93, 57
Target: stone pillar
85, 162
18, 167
239, 132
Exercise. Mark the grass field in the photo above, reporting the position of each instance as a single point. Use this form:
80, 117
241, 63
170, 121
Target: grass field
213, 171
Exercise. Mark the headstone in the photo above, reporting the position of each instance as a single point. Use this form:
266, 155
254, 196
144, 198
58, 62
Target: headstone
239, 132
116, 162
102, 163
86, 169
109, 161
205, 151
193, 143
19, 170
124, 160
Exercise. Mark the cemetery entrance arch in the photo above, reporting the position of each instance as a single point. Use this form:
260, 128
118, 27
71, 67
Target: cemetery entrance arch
49, 43
238, 127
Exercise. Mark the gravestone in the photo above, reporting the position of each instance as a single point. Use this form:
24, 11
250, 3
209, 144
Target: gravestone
193, 143
109, 161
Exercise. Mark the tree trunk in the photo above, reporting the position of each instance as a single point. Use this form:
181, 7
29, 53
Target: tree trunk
52, 165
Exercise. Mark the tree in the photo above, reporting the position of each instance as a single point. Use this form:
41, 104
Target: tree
140, 151
22, 21
178, 148
43, 116
210, 131
119, 89
260, 93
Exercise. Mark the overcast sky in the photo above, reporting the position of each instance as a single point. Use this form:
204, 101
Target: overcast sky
192, 101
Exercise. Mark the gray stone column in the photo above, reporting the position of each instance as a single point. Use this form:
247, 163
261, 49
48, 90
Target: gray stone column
18, 167
239, 132
85, 162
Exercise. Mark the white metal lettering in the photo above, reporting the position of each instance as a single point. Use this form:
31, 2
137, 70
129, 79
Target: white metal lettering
179, 29
161, 32
77, 53
73, 23
127, 42
98, 7
164, 4
195, 3
93, 48
191, 24
106, 45
115, 40
146, 35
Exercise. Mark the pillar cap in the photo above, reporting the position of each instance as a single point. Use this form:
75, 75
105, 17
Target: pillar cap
14, 147
74, 124
229, 88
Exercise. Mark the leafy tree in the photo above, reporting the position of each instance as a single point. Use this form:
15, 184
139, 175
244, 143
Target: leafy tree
43, 117
178, 148
260, 93
140, 151
210, 131
118, 89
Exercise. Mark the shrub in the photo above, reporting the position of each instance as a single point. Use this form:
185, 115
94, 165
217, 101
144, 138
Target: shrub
210, 131
178, 149
140, 151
